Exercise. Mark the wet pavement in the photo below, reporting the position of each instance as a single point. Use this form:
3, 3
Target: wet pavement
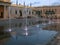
55, 27
35, 35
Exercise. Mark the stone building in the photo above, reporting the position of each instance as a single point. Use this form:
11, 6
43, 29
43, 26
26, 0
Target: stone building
47, 11
4, 8
16, 11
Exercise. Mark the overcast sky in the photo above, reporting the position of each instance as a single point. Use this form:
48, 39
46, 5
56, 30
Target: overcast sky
38, 2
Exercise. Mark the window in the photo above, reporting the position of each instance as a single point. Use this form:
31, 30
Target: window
15, 11
50, 12
38, 12
1, 15
20, 12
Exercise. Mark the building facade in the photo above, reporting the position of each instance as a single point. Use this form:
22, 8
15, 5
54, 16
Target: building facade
4, 9
42, 12
27, 12
15, 11
8, 10
47, 11
18, 11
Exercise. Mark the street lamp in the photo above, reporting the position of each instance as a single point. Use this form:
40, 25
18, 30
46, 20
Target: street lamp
9, 20
25, 28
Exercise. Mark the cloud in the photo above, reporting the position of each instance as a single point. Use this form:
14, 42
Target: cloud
56, 3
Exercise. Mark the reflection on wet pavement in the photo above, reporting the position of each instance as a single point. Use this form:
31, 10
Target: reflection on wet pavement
32, 35
55, 27
35, 36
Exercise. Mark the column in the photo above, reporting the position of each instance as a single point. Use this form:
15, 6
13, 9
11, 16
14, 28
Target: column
5, 12
31, 12
9, 14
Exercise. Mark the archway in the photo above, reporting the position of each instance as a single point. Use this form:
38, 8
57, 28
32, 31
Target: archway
1, 11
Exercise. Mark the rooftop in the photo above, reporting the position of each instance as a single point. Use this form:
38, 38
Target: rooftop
5, 2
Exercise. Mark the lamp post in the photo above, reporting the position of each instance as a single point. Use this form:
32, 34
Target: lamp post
9, 20
25, 28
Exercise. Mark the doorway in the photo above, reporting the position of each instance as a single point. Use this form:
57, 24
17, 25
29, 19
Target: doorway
1, 14
1, 11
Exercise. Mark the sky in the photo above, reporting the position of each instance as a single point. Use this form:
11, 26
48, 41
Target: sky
38, 2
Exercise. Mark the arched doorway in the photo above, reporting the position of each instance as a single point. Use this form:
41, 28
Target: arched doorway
20, 13
1, 11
